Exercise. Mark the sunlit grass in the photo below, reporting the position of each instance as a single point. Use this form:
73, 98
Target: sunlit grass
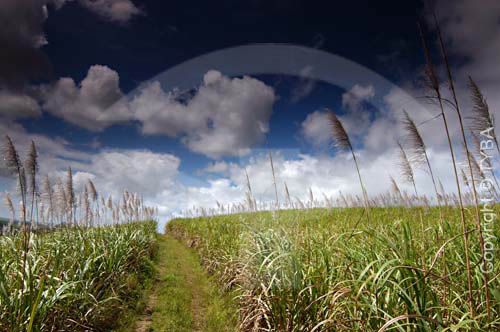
75, 279
332, 270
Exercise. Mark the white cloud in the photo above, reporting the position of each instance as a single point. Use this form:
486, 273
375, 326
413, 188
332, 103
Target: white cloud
120, 11
48, 147
357, 119
226, 116
113, 171
54, 154
322, 173
217, 167
305, 86
95, 104
15, 105
316, 128
152, 175
479, 42
478, 45
160, 113
353, 98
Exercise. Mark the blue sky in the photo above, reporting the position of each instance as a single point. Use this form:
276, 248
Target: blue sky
175, 100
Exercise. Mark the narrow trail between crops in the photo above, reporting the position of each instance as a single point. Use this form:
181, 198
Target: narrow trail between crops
184, 297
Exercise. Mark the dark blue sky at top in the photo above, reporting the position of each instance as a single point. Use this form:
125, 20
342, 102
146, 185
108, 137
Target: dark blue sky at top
371, 33
380, 35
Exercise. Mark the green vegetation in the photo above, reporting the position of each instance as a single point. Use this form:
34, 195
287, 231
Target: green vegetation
3, 223
74, 261
75, 279
333, 270
406, 262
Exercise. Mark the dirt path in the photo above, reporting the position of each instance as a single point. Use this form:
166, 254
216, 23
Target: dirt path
184, 298
143, 325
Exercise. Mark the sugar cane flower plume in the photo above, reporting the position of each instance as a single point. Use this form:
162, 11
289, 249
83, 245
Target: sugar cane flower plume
481, 119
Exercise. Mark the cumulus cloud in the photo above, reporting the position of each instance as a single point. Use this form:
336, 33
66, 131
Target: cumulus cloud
54, 152
324, 174
17, 105
136, 170
152, 175
316, 128
217, 167
120, 11
226, 116
140, 171
476, 46
356, 120
112, 171
353, 98
96, 103
161, 113
480, 43
305, 86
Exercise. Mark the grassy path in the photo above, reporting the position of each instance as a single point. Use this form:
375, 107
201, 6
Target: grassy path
184, 297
